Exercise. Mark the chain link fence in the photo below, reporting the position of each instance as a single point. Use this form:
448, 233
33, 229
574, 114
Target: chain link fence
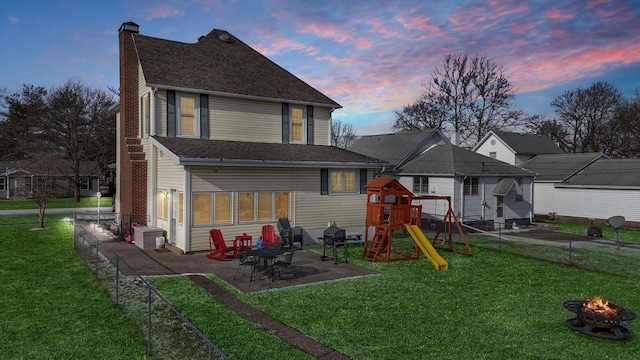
597, 254
168, 334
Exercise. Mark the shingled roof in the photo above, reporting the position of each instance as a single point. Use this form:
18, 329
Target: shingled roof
222, 152
448, 159
393, 147
525, 144
219, 63
609, 173
559, 167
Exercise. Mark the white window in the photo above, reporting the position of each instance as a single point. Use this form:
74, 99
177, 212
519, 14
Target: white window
85, 184
262, 206
163, 204
420, 185
178, 212
493, 155
211, 208
471, 185
188, 115
344, 181
298, 124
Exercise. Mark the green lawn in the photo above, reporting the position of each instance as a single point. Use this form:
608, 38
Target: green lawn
52, 308
629, 235
85, 202
492, 305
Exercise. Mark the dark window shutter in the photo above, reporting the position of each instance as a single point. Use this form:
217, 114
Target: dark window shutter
363, 181
285, 123
204, 116
171, 113
324, 181
309, 124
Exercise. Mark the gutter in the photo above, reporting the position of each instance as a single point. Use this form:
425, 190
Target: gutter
245, 97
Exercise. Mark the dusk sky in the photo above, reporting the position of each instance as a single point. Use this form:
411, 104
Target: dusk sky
369, 56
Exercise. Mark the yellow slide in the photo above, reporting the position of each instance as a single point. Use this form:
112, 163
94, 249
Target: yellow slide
427, 248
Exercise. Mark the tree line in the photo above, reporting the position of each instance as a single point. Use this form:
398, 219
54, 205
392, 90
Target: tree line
468, 95
64, 126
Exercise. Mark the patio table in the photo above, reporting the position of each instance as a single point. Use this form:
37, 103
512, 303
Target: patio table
266, 256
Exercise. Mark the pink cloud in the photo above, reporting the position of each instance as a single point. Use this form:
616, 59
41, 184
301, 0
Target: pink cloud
544, 70
326, 31
560, 14
281, 44
522, 27
162, 11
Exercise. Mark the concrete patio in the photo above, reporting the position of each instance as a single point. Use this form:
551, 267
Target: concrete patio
308, 266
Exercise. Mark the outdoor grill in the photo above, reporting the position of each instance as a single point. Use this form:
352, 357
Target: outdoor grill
334, 234
604, 323
334, 237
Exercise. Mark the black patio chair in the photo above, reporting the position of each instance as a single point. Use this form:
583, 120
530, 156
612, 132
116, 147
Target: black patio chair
289, 235
284, 264
247, 261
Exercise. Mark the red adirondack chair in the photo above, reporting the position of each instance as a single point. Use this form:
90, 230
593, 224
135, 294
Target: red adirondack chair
218, 248
269, 237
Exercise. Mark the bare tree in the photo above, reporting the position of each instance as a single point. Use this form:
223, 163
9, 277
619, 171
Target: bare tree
342, 134
46, 168
551, 128
470, 94
420, 115
78, 120
588, 114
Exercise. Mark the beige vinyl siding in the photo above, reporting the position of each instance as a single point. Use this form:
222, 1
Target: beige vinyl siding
313, 210
308, 208
169, 176
321, 126
245, 120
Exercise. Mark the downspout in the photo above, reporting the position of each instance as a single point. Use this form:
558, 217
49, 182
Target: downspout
531, 199
186, 210
462, 199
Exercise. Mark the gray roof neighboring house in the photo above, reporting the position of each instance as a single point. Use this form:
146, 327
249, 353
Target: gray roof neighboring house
448, 159
608, 173
188, 151
397, 148
525, 144
87, 168
221, 64
559, 167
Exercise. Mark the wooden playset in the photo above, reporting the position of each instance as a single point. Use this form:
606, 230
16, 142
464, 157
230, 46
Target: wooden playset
389, 208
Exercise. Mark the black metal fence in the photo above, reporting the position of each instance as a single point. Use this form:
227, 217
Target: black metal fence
168, 334
603, 255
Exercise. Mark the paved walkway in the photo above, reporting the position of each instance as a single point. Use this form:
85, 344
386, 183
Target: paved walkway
104, 210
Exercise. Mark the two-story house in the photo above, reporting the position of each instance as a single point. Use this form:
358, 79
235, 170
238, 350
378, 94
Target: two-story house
213, 134
515, 148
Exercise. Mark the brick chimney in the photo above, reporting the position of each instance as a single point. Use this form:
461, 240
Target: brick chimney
132, 189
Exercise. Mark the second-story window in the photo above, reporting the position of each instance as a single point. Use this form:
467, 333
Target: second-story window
188, 115
145, 115
297, 124
344, 181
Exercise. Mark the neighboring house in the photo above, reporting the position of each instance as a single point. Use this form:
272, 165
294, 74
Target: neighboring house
14, 181
515, 148
586, 187
215, 135
482, 190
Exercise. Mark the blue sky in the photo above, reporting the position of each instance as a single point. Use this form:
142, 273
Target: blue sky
369, 56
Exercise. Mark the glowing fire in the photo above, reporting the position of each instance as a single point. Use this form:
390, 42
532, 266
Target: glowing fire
600, 307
